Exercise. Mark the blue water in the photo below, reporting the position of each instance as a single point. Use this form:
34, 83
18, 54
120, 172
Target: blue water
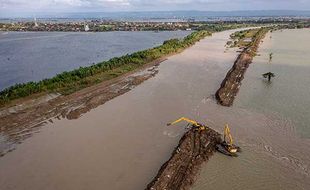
33, 56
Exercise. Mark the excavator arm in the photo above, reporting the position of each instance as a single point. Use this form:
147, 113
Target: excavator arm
184, 119
226, 147
229, 144
227, 134
194, 123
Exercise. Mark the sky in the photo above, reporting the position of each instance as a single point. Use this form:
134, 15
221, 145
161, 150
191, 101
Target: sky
21, 6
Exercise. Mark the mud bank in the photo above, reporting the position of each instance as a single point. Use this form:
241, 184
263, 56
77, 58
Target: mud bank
232, 82
18, 123
181, 170
229, 88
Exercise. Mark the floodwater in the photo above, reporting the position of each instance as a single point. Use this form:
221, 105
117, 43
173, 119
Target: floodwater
273, 125
287, 94
123, 143
33, 56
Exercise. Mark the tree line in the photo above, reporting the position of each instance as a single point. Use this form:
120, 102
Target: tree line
85, 76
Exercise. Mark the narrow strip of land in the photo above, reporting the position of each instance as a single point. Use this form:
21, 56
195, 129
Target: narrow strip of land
72, 81
181, 170
17, 122
232, 82
71, 94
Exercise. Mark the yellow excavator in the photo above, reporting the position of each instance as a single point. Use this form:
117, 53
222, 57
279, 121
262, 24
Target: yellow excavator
226, 146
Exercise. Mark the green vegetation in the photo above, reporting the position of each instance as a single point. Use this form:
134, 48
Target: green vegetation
219, 27
242, 38
252, 47
248, 39
69, 82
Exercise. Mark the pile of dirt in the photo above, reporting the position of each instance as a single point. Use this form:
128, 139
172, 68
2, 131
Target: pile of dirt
225, 95
180, 171
232, 82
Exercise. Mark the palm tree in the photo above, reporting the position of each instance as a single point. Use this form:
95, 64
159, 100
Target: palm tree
270, 57
269, 75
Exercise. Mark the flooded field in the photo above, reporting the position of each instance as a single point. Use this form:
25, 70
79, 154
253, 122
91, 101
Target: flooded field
123, 143
270, 121
287, 94
33, 56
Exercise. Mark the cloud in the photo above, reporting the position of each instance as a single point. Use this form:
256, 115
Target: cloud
60, 4
141, 5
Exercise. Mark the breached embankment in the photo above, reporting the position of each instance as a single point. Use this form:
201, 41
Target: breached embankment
232, 82
229, 88
196, 147
181, 170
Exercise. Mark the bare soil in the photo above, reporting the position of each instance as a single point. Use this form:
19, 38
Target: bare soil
20, 121
232, 82
229, 88
180, 171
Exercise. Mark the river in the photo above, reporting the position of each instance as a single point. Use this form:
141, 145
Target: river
270, 121
123, 143
33, 56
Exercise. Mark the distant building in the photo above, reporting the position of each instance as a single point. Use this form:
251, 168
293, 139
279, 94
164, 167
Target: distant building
35, 22
86, 28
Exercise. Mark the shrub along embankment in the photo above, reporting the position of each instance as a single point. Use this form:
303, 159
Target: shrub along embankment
69, 82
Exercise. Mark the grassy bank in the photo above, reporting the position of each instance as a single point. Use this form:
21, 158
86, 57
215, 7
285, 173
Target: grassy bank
248, 39
69, 82
242, 38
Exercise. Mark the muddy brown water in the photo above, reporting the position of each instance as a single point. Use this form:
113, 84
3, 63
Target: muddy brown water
123, 143
270, 121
